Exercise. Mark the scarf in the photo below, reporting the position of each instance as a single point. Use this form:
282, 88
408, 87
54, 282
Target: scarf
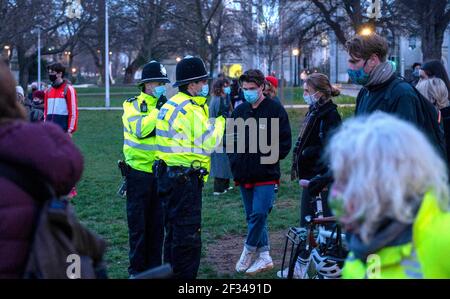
393, 234
307, 123
381, 73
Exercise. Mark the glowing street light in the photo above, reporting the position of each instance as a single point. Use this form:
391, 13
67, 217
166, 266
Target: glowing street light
74, 70
366, 31
8, 49
178, 59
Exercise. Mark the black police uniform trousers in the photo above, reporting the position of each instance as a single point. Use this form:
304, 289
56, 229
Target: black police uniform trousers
181, 197
145, 222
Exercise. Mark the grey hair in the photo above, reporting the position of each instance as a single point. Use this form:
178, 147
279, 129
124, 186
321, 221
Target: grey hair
383, 166
435, 91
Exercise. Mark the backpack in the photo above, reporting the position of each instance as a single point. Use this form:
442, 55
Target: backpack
36, 114
61, 247
427, 118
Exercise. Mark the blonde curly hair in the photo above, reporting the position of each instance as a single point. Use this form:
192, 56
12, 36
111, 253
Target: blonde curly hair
435, 91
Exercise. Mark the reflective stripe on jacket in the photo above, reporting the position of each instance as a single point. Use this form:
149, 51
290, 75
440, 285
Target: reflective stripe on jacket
139, 131
184, 133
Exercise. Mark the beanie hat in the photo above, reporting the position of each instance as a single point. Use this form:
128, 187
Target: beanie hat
273, 81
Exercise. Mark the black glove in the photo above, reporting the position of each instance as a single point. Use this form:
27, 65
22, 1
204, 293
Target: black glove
223, 109
161, 101
318, 183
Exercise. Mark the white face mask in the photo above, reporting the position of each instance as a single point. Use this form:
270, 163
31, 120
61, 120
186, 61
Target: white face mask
310, 99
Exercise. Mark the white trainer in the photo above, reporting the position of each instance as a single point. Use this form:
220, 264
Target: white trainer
263, 263
244, 261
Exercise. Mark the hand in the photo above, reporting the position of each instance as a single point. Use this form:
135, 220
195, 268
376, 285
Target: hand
304, 183
161, 101
318, 183
70, 134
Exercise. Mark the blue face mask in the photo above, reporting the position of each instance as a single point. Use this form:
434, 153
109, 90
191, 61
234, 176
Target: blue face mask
205, 91
416, 73
359, 76
159, 91
251, 96
309, 99
227, 90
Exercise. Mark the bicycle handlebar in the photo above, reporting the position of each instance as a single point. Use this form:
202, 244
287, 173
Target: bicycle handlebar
324, 220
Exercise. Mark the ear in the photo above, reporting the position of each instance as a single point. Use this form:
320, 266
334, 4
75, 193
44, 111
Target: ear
374, 60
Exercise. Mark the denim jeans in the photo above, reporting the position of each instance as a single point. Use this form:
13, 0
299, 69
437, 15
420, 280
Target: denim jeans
258, 203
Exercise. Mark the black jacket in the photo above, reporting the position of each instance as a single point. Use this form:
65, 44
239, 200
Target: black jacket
321, 122
398, 97
445, 122
247, 167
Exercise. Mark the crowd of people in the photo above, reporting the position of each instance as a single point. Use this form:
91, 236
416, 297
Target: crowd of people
383, 173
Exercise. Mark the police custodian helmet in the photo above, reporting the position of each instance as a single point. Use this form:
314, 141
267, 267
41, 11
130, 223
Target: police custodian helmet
154, 72
190, 69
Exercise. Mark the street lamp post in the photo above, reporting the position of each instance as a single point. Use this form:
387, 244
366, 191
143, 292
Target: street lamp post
295, 53
107, 93
39, 29
74, 10
39, 58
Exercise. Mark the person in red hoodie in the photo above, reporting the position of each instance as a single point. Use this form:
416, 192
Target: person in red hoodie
41, 148
60, 103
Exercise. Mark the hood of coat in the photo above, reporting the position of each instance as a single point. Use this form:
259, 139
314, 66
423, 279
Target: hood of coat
44, 148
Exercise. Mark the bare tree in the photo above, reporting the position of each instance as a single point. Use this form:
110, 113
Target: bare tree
432, 18
54, 30
206, 29
346, 17
143, 26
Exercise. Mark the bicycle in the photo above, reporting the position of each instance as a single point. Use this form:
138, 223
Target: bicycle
317, 251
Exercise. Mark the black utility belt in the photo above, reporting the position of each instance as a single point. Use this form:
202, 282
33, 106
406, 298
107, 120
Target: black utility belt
188, 171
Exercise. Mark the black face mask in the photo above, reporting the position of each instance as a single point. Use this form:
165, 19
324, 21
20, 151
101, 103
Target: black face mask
52, 78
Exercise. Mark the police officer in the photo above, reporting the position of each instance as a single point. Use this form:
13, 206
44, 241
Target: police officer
144, 211
185, 139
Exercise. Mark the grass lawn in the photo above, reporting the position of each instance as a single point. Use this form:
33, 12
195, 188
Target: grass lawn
100, 139
95, 96
113, 89
294, 95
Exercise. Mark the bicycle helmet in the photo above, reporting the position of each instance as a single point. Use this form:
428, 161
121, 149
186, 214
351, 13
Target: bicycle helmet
328, 267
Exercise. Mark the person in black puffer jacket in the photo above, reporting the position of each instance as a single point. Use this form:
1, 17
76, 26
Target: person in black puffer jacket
255, 164
320, 121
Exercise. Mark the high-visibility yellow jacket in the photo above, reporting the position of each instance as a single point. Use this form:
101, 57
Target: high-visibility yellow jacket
425, 257
139, 121
184, 134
